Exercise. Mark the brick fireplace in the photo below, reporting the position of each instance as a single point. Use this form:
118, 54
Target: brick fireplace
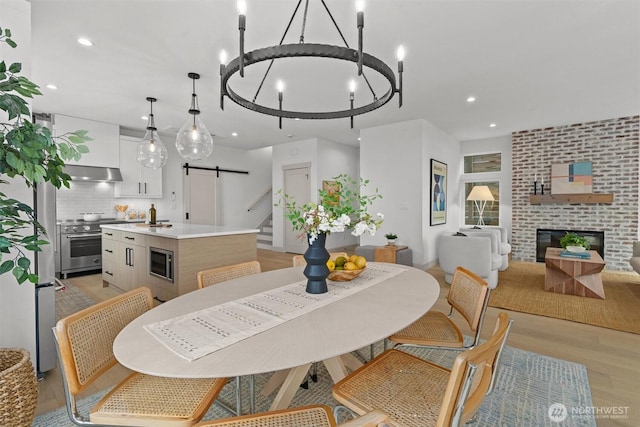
613, 148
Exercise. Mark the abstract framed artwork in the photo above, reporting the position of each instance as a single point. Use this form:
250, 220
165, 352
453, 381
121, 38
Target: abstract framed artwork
572, 178
438, 192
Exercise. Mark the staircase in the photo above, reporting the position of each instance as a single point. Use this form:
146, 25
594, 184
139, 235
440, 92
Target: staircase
265, 236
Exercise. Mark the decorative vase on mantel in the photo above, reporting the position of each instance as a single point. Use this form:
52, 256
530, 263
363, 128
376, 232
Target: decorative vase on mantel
316, 270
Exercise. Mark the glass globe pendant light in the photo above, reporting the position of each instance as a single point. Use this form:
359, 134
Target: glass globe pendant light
151, 151
194, 142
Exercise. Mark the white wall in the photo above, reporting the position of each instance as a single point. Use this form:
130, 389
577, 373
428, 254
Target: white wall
327, 159
17, 302
396, 159
501, 144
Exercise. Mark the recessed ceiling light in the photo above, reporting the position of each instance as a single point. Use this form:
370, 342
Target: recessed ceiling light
471, 99
85, 41
52, 86
234, 134
144, 118
492, 125
297, 118
359, 138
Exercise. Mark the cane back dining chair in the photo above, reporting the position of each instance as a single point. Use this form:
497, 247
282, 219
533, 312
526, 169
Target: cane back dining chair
416, 393
304, 416
84, 342
227, 272
469, 295
299, 261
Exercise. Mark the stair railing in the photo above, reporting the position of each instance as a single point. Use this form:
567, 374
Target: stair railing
262, 196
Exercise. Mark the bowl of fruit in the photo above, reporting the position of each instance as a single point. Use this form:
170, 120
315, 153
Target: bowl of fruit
345, 269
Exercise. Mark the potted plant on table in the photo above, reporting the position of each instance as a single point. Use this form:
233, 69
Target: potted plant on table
391, 238
31, 152
572, 242
343, 207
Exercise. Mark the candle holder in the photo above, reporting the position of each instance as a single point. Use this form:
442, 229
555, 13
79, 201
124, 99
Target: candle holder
542, 189
535, 187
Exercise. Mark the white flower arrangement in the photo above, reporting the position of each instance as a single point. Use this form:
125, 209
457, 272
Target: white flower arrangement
341, 208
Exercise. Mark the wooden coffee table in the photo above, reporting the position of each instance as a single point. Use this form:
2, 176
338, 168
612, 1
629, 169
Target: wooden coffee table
574, 276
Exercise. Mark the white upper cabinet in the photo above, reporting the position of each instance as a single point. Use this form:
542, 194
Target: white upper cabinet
104, 148
137, 180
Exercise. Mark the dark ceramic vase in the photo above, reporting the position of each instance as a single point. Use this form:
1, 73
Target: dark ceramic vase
316, 270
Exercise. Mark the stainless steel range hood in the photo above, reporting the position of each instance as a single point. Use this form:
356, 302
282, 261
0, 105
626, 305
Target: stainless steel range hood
93, 173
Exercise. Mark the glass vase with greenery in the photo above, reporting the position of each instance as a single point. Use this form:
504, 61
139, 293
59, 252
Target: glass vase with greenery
31, 152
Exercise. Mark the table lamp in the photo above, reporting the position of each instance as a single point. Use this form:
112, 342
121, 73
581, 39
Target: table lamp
480, 194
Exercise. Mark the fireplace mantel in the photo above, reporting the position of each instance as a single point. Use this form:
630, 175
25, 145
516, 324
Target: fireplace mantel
539, 199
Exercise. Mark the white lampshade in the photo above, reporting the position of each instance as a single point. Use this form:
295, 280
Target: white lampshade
480, 192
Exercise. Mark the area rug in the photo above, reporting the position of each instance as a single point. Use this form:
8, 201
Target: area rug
521, 288
71, 299
529, 385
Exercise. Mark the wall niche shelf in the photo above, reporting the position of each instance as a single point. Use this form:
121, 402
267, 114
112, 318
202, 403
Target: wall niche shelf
539, 199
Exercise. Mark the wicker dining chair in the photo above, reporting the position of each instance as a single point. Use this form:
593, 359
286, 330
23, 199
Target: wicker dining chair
469, 295
227, 272
305, 416
414, 392
84, 341
299, 261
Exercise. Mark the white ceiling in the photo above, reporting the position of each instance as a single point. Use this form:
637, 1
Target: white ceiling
530, 64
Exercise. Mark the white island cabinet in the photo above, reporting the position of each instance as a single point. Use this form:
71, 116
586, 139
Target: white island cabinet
132, 254
137, 180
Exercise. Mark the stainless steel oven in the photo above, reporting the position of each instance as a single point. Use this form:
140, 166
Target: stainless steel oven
80, 247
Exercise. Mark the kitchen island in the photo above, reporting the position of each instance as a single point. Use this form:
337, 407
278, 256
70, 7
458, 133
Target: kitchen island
167, 257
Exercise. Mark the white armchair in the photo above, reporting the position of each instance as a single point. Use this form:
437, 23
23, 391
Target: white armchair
504, 248
473, 252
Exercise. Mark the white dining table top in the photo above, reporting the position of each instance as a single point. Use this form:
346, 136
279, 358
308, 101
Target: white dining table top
338, 328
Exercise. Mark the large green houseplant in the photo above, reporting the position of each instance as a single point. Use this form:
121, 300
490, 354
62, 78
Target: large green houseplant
31, 152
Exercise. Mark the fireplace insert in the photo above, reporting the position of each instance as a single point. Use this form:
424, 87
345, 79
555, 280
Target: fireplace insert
546, 238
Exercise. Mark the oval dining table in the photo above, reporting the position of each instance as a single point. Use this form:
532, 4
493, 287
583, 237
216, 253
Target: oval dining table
324, 334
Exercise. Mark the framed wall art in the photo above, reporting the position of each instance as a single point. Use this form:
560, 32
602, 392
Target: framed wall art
438, 192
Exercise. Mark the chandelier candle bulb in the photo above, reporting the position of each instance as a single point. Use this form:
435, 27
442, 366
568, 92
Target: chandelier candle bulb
400, 56
242, 23
360, 23
280, 88
352, 89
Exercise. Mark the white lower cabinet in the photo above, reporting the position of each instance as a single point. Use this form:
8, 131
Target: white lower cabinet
137, 180
126, 265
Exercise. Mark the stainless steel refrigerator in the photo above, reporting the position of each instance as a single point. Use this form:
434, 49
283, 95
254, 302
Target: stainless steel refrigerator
44, 206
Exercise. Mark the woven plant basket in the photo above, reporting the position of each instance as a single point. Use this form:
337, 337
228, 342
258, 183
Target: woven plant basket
18, 388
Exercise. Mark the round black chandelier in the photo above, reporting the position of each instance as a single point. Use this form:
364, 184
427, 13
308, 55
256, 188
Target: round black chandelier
310, 50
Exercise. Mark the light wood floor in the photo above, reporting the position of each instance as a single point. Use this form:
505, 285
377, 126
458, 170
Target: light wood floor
612, 358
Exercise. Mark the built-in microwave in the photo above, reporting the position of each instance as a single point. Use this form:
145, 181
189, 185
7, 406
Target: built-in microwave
161, 263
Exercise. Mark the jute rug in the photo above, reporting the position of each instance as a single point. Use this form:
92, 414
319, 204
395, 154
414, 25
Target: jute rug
528, 385
521, 288
70, 300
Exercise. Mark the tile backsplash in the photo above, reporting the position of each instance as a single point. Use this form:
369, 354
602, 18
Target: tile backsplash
94, 197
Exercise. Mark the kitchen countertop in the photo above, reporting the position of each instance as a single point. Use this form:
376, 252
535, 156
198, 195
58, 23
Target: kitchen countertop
181, 230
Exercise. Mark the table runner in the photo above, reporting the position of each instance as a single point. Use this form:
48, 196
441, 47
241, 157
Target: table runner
197, 334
